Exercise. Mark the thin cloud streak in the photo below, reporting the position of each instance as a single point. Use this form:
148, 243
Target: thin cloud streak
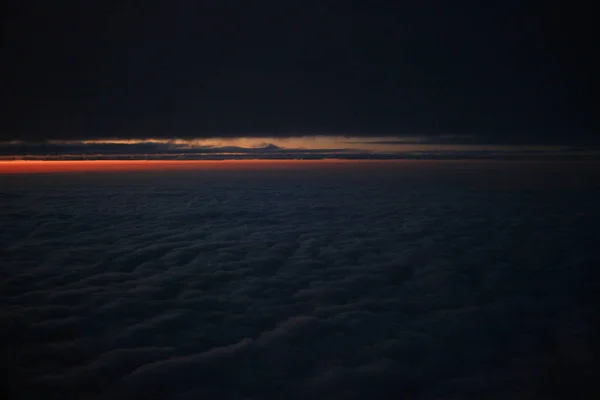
327, 147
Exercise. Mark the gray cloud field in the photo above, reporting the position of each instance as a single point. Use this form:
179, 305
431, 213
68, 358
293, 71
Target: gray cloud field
216, 286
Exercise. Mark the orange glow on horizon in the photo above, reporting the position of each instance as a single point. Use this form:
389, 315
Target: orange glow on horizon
531, 167
76, 166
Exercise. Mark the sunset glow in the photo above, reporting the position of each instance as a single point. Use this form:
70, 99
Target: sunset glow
29, 167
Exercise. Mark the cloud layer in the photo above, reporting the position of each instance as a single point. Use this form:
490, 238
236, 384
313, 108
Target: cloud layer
315, 147
221, 287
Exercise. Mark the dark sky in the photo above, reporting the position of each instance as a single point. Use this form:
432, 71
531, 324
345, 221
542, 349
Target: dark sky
511, 71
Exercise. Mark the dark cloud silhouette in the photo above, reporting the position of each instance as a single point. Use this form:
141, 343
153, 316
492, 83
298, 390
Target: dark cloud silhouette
588, 143
151, 149
181, 151
216, 286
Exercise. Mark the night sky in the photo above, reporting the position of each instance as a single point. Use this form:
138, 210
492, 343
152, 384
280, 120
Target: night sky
508, 72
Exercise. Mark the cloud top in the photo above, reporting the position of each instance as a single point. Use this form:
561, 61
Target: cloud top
223, 287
